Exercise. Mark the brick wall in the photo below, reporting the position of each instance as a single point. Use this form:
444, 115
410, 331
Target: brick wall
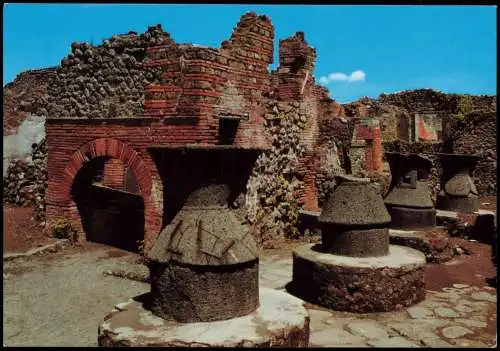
196, 89
367, 141
114, 174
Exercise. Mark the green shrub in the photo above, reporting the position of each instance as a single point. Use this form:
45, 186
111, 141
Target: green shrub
63, 229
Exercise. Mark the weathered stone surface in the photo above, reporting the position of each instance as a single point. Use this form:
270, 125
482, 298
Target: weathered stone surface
460, 286
445, 312
396, 341
368, 329
483, 296
434, 341
417, 312
359, 284
334, 336
434, 243
458, 190
350, 241
25, 182
204, 264
354, 201
455, 332
281, 320
204, 293
471, 322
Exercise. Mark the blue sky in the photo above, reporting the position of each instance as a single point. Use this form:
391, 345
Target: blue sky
361, 50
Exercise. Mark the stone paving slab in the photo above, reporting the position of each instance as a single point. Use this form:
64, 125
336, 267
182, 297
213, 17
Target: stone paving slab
451, 317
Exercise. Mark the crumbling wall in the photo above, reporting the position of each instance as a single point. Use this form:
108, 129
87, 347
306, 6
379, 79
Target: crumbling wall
104, 81
428, 127
22, 97
476, 134
448, 120
285, 179
427, 150
271, 198
175, 95
25, 182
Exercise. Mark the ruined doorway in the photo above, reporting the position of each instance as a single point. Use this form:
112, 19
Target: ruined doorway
109, 203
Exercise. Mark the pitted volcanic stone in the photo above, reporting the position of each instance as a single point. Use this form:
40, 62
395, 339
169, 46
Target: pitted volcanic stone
409, 203
204, 265
362, 285
212, 195
419, 197
355, 242
404, 195
188, 293
354, 221
458, 191
200, 235
354, 202
412, 218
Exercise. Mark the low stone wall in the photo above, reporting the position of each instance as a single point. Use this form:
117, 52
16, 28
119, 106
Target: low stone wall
25, 183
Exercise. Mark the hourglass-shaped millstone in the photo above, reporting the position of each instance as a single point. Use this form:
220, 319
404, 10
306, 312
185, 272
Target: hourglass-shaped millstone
354, 268
409, 199
458, 192
204, 264
354, 221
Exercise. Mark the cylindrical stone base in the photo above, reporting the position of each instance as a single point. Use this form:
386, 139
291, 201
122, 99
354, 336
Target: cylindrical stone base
188, 293
355, 243
458, 204
281, 320
412, 218
369, 284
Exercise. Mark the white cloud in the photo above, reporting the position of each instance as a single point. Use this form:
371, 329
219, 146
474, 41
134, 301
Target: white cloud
324, 80
338, 76
355, 76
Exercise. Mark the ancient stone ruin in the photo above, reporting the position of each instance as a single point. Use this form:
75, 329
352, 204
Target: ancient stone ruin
204, 264
458, 191
410, 204
409, 200
204, 275
354, 268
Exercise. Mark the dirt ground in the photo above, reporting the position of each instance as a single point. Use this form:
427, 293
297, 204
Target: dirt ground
21, 232
488, 203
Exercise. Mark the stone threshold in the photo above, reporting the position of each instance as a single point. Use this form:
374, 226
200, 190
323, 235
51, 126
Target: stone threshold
54, 247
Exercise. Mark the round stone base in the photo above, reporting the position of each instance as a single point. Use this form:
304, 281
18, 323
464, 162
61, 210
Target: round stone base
412, 218
281, 320
458, 204
369, 284
434, 243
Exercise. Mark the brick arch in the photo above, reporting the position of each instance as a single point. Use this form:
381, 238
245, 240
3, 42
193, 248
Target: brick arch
115, 149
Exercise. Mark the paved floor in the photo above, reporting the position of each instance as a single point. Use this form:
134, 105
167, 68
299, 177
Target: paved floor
458, 316
59, 300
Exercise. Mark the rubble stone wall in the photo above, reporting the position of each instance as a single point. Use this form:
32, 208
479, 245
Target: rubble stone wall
456, 123
476, 134
25, 183
21, 97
